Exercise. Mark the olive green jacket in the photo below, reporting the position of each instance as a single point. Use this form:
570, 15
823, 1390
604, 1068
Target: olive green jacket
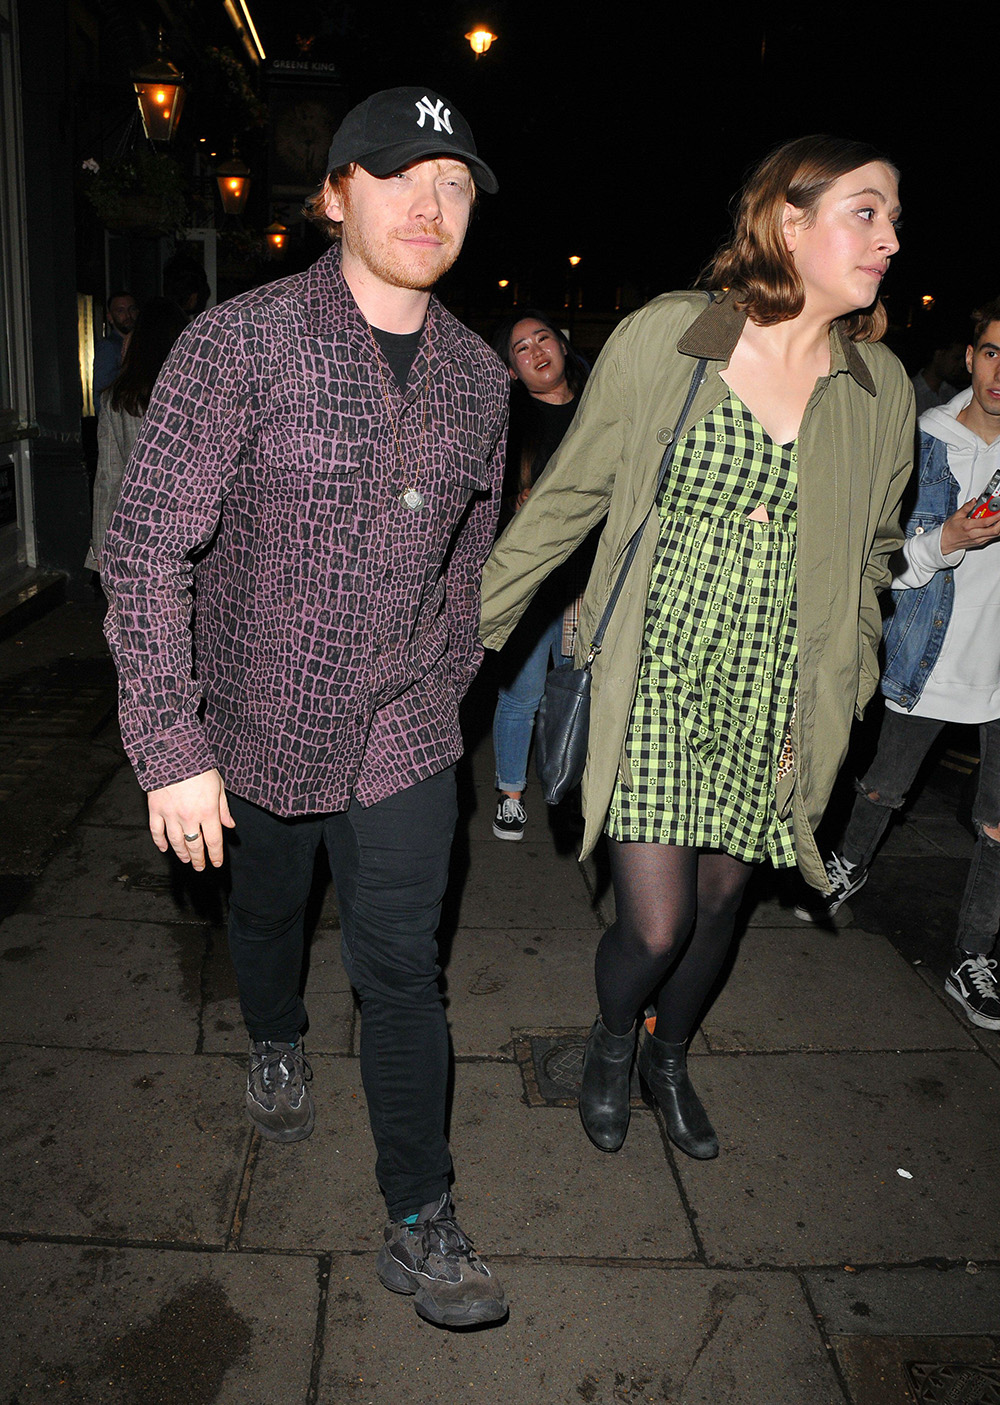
855, 451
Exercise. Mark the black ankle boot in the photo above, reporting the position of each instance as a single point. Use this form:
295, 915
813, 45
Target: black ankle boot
604, 1088
664, 1075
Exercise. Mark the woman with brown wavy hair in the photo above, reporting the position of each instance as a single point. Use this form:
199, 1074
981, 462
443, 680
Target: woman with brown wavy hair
746, 635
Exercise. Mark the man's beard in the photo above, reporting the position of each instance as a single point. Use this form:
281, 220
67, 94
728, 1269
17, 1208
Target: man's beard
388, 260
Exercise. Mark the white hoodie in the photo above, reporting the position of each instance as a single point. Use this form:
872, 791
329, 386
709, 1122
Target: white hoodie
964, 685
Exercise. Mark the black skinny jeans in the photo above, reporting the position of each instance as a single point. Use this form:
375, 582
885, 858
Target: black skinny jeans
390, 869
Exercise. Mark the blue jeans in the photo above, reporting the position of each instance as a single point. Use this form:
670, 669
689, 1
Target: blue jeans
514, 719
903, 743
390, 868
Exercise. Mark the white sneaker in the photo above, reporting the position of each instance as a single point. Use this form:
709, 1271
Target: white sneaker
845, 879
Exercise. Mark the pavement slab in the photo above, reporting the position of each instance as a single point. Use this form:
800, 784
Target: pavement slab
102, 1326
122, 802
581, 1334
815, 989
320, 1194
108, 985
523, 885
120, 1146
537, 977
811, 1147
925, 1302
118, 873
530, 1182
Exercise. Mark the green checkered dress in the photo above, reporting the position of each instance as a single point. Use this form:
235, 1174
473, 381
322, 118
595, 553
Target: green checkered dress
717, 677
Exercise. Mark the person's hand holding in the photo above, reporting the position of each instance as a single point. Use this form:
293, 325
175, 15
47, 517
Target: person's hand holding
964, 533
188, 817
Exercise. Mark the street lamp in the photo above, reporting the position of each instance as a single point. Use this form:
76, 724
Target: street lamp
480, 39
159, 89
276, 233
233, 178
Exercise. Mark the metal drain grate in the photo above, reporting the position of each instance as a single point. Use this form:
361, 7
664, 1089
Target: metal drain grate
953, 1383
551, 1062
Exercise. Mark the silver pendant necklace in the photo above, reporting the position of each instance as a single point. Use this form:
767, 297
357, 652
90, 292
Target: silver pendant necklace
411, 497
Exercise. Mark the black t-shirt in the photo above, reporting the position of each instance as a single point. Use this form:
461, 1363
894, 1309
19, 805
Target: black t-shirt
400, 351
551, 424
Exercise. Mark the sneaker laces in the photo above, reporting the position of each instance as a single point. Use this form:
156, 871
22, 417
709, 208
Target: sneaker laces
980, 969
511, 809
441, 1235
281, 1068
839, 871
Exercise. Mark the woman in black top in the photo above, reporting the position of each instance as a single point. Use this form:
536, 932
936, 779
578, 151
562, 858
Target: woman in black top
547, 378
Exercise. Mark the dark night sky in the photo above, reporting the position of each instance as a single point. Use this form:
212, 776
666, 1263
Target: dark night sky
623, 138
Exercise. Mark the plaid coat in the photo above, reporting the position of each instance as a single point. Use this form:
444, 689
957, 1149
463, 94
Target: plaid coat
335, 630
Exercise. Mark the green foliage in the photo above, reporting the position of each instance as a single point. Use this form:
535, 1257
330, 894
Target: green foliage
141, 190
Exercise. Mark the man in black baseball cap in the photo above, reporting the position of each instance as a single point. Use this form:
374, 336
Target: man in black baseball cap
333, 450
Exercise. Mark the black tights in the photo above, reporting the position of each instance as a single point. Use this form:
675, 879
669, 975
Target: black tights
676, 908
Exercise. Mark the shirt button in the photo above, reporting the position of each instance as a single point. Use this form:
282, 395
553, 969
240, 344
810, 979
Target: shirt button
664, 436
360, 719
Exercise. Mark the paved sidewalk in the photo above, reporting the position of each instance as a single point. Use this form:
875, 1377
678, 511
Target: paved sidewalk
153, 1250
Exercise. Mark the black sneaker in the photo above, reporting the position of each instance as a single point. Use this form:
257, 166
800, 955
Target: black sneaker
508, 822
433, 1259
278, 1100
973, 984
845, 879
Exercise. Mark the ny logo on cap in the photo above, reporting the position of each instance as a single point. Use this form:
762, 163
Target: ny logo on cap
433, 110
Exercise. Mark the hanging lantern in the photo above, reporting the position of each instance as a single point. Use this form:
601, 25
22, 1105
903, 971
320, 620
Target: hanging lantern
233, 179
480, 39
276, 235
159, 89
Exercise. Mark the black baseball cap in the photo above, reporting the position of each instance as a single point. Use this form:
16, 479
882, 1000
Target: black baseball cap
399, 125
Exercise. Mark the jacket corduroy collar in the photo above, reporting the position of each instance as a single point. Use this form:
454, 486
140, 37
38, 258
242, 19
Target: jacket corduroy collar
715, 332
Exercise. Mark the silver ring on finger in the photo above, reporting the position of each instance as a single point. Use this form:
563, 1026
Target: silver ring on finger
190, 837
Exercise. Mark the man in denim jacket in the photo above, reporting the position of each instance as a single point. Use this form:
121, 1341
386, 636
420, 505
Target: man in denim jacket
942, 646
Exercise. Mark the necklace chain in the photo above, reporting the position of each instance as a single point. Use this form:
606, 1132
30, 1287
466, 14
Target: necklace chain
411, 496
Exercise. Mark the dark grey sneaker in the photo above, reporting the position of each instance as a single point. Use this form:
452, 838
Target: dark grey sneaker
434, 1260
844, 879
278, 1099
972, 983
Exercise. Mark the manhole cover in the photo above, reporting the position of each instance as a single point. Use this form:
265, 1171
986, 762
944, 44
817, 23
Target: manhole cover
551, 1063
952, 1383
563, 1065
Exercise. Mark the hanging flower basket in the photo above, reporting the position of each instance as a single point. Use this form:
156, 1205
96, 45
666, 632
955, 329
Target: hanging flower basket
141, 191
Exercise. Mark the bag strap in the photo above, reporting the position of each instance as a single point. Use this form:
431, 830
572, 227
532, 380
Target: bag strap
633, 545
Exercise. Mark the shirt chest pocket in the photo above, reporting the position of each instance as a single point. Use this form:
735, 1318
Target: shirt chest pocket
314, 444
466, 463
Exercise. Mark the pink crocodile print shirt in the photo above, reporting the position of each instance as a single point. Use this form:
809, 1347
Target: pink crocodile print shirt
335, 629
